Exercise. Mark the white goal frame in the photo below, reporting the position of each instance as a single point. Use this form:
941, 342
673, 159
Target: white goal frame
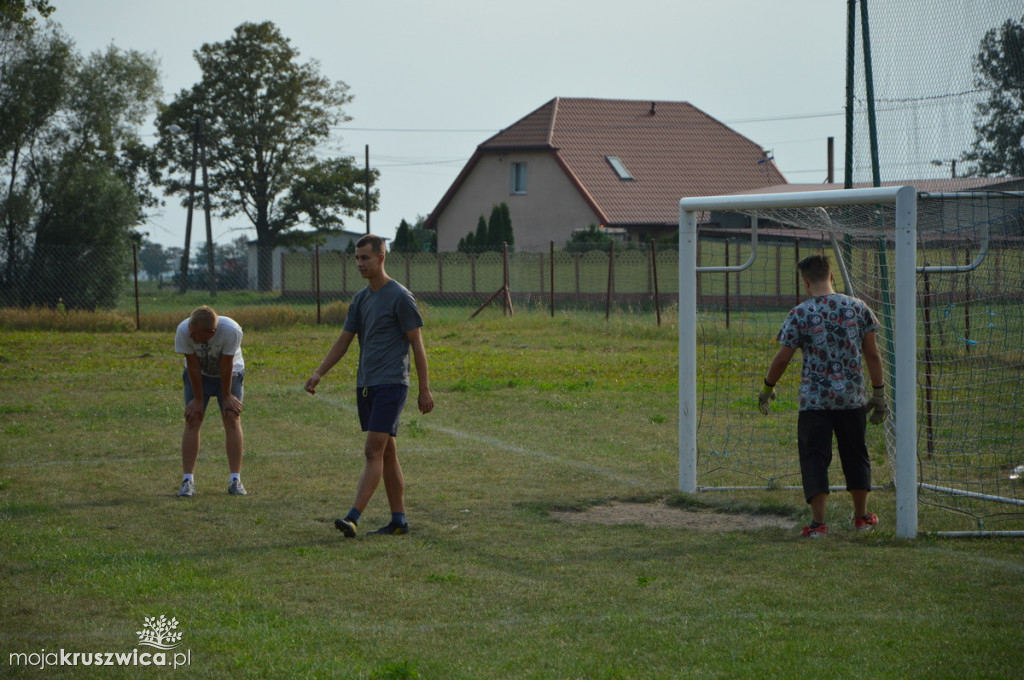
904, 387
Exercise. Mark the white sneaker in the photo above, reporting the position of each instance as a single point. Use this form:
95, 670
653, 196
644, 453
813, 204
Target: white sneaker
235, 488
188, 488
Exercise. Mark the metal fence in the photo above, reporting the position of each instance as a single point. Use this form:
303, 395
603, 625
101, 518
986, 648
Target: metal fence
628, 278
613, 277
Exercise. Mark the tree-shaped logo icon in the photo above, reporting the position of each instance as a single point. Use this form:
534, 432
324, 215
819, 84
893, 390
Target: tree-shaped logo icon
159, 633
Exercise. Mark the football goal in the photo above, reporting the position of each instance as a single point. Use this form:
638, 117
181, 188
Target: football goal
944, 273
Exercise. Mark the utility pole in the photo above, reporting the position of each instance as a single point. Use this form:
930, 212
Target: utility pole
183, 283
367, 193
211, 270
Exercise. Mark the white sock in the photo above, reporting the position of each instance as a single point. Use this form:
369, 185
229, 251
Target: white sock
234, 476
188, 477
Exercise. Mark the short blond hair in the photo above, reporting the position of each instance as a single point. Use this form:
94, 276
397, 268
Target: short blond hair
203, 318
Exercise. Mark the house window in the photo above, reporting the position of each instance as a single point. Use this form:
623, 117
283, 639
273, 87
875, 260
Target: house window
517, 178
619, 167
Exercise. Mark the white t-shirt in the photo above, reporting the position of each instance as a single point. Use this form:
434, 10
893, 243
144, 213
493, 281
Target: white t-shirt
227, 340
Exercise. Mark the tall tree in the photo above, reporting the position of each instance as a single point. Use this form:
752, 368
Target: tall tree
74, 169
20, 11
154, 259
82, 241
262, 117
414, 238
34, 80
482, 238
403, 242
499, 227
15, 17
999, 122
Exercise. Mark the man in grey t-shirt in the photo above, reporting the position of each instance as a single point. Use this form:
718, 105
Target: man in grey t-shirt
387, 322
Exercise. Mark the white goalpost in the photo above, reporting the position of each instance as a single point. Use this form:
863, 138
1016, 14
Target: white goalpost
944, 273
903, 200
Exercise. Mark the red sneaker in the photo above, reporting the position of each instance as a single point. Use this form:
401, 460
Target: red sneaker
865, 523
820, 531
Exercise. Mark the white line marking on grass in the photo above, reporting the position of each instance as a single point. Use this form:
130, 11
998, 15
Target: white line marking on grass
515, 448
346, 406
507, 446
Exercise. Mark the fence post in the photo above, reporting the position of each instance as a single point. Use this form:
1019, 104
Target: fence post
576, 264
654, 273
796, 289
778, 274
727, 284
540, 272
284, 276
967, 302
552, 286
611, 278
135, 267
317, 266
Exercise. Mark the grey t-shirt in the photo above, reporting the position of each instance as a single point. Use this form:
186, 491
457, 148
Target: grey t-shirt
381, 319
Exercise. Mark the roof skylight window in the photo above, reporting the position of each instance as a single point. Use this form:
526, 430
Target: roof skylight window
619, 167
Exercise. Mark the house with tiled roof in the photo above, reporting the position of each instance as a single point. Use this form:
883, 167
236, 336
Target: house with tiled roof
617, 164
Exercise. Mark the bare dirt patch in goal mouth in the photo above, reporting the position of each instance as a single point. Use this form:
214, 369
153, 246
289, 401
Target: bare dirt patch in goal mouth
661, 515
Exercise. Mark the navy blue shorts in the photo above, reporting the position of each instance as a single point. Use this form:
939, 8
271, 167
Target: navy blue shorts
814, 440
211, 388
380, 407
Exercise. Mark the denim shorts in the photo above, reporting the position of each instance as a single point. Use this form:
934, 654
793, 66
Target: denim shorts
380, 407
211, 388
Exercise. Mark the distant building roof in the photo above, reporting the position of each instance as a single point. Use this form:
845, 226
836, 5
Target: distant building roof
633, 160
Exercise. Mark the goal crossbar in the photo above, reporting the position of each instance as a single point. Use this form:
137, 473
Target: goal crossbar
904, 389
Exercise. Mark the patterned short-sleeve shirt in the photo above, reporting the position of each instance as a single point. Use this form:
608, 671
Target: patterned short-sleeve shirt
829, 330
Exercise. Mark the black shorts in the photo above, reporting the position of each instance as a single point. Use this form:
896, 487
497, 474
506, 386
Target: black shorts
380, 407
814, 437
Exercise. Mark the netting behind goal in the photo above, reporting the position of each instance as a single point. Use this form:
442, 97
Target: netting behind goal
968, 285
939, 114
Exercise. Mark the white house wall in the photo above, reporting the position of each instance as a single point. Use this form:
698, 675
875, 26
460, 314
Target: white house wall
550, 210
338, 242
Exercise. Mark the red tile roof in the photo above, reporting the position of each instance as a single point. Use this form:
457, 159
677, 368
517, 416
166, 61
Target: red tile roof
672, 150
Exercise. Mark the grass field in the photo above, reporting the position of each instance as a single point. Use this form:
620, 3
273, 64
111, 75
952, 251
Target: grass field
533, 415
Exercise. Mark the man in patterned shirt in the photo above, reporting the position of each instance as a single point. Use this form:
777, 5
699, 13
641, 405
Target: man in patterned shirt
836, 333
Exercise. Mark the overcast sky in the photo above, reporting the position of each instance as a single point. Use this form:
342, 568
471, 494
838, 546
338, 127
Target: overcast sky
434, 78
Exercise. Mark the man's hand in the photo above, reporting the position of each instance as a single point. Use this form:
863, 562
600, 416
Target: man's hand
766, 396
313, 381
232, 404
194, 410
426, 401
876, 406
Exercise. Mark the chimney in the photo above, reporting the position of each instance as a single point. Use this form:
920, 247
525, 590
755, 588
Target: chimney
651, 112
831, 160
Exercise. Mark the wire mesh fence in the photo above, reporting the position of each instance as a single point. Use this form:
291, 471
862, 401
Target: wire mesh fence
632, 280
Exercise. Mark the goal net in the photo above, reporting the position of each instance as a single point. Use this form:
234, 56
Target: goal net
944, 274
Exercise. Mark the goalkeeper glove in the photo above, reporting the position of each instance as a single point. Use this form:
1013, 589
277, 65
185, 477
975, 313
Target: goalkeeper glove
876, 405
767, 394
